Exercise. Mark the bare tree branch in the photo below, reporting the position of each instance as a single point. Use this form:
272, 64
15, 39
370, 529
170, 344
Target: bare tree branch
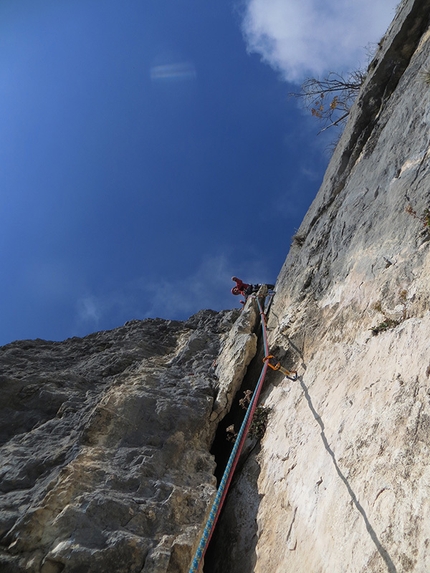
330, 99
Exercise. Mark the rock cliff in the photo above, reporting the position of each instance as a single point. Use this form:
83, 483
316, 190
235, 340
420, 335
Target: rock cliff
341, 482
105, 462
105, 441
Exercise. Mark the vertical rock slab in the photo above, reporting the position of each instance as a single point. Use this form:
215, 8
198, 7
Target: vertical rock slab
238, 350
344, 464
104, 457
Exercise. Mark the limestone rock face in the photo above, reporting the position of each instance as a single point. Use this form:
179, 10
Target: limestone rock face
104, 447
238, 350
344, 466
104, 441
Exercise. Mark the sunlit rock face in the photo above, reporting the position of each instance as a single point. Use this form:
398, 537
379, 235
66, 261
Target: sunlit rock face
341, 482
104, 459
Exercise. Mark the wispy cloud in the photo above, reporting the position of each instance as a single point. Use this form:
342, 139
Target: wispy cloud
176, 71
149, 297
89, 310
302, 38
207, 287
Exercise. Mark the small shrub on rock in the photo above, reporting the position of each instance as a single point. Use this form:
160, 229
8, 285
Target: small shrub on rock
259, 422
384, 325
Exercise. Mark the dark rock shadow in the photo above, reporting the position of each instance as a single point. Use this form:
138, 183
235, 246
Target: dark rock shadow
233, 543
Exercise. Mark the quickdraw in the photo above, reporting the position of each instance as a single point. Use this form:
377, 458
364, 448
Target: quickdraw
290, 374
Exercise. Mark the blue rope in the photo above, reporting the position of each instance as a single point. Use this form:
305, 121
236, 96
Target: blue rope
235, 453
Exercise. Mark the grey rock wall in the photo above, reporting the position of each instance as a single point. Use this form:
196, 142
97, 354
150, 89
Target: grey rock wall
104, 447
104, 441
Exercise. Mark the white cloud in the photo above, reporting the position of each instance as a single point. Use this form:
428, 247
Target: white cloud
89, 310
209, 286
182, 297
176, 71
148, 297
302, 38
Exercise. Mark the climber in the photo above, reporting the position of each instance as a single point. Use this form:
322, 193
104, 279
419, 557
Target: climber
246, 289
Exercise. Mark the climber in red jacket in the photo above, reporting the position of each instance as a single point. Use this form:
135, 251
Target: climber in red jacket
246, 289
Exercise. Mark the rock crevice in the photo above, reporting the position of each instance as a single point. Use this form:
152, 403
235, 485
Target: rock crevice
105, 461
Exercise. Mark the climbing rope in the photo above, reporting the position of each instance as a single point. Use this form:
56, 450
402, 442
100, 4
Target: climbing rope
238, 445
234, 456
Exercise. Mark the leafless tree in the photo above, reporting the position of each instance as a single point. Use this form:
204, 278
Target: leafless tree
330, 99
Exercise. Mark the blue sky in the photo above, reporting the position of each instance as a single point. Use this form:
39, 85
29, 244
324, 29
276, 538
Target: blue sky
149, 150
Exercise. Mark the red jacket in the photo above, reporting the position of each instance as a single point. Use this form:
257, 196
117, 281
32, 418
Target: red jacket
240, 287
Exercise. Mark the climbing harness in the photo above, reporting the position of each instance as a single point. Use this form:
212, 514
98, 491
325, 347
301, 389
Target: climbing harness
236, 451
290, 374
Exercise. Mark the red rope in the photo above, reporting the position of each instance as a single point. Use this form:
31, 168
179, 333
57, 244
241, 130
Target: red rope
252, 406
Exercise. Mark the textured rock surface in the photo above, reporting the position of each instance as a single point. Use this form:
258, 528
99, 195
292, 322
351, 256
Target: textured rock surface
104, 460
344, 473
238, 350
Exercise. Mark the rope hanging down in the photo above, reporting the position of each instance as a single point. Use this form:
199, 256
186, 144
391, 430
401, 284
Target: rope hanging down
234, 456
